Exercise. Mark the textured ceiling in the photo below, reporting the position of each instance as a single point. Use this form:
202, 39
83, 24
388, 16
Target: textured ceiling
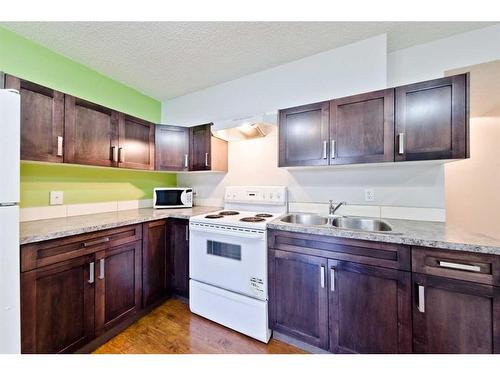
169, 59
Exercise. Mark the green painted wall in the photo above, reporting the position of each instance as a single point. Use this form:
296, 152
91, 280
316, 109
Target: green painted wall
87, 184
26, 59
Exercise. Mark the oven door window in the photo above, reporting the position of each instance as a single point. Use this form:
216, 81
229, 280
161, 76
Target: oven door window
225, 250
168, 197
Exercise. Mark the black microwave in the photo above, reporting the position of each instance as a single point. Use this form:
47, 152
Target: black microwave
176, 197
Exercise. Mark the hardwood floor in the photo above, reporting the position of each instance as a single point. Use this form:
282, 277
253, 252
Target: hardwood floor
173, 329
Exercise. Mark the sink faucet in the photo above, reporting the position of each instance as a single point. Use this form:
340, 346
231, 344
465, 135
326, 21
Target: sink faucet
333, 208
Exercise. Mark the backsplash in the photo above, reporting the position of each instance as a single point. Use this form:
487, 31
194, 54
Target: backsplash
82, 184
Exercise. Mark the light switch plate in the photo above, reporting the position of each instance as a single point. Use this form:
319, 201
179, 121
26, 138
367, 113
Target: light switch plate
56, 198
369, 195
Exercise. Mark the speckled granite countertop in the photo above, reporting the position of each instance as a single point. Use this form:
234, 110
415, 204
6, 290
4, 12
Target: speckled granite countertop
408, 232
43, 230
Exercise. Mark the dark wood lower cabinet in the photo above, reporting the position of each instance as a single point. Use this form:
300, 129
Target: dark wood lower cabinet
369, 309
118, 285
454, 316
57, 306
154, 262
298, 295
178, 239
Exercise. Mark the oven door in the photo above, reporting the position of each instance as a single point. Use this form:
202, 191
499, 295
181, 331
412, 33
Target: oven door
231, 258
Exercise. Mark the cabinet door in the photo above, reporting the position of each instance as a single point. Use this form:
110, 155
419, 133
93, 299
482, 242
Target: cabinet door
200, 147
303, 135
91, 133
432, 119
298, 296
136, 143
172, 148
154, 262
362, 128
369, 309
42, 119
452, 316
57, 306
179, 259
118, 273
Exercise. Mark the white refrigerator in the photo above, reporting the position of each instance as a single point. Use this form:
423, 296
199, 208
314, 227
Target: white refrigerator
10, 315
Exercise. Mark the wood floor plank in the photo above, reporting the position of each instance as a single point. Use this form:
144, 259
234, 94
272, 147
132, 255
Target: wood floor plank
173, 329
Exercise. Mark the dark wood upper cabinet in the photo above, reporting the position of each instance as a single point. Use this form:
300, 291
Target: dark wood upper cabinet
298, 296
118, 278
155, 279
303, 135
178, 239
42, 119
432, 119
200, 152
91, 133
57, 307
362, 128
454, 316
369, 309
172, 148
136, 143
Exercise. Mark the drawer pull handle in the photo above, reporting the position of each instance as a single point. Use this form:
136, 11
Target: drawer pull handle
421, 299
459, 266
91, 273
96, 242
322, 276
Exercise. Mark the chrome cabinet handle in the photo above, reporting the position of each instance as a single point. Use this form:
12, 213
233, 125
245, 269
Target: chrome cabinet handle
322, 276
332, 152
325, 145
401, 137
114, 153
91, 273
101, 269
459, 266
59, 146
332, 279
206, 159
96, 242
421, 299
187, 233
185, 160
121, 155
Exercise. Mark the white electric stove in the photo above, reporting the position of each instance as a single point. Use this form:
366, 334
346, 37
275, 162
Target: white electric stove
228, 259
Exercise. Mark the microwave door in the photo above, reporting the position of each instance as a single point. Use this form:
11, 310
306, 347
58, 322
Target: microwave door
169, 198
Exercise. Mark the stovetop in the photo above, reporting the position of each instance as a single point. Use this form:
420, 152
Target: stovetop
236, 218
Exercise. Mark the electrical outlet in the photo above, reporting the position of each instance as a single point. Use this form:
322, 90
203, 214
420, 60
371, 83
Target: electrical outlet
56, 198
369, 195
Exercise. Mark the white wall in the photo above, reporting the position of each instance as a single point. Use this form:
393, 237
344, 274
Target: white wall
347, 70
351, 69
431, 60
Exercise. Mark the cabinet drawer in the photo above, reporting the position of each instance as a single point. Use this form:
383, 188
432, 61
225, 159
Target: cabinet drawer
49, 252
366, 252
479, 268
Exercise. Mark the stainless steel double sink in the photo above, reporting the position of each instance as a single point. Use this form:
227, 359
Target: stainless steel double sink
341, 222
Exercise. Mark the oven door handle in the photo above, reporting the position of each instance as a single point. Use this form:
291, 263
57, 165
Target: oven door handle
235, 233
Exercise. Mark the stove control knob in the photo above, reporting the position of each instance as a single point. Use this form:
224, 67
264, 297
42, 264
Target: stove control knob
271, 196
